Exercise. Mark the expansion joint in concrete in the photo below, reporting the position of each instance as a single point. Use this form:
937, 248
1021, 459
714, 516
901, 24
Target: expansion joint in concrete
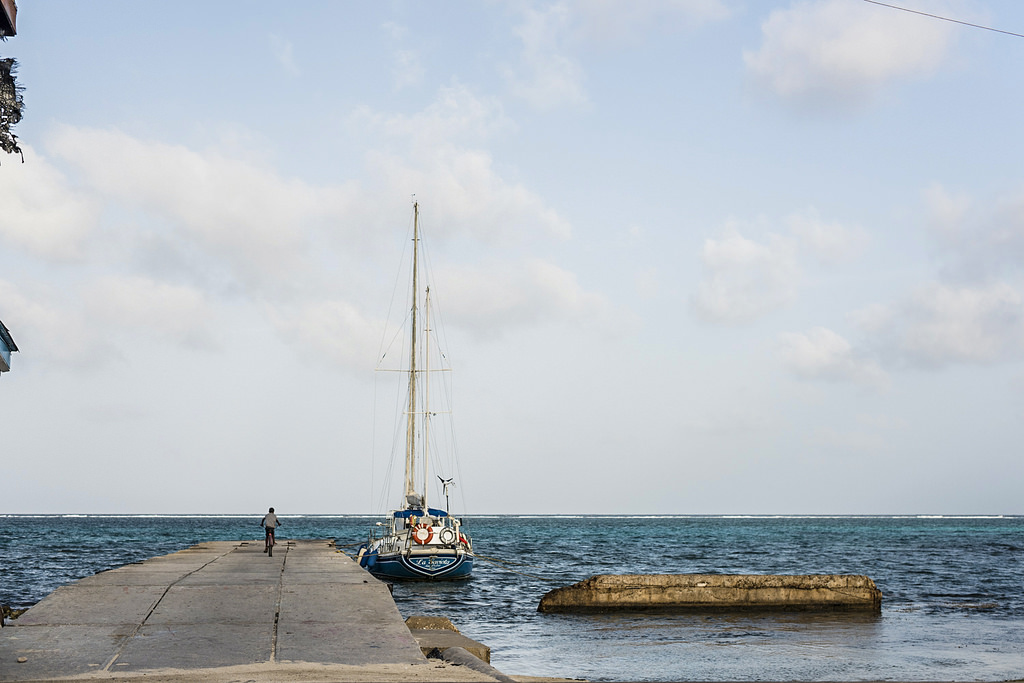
138, 627
277, 607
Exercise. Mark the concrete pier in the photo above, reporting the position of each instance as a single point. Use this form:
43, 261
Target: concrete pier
223, 611
715, 592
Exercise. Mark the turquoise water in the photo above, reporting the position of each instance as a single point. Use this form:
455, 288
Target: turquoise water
953, 605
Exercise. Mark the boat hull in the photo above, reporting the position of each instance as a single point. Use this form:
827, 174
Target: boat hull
425, 567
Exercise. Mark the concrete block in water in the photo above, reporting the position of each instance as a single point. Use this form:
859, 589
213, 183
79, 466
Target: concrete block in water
715, 592
436, 635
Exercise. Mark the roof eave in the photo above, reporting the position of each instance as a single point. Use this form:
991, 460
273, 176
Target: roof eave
5, 335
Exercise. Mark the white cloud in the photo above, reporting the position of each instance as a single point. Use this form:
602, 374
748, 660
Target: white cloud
247, 215
41, 212
549, 76
744, 279
831, 243
284, 54
437, 154
489, 300
50, 331
332, 329
407, 70
456, 116
176, 312
946, 210
201, 225
984, 239
647, 282
467, 196
824, 354
604, 20
77, 326
838, 51
941, 325
546, 76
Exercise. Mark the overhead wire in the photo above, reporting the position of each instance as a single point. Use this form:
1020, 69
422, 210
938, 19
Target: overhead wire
936, 16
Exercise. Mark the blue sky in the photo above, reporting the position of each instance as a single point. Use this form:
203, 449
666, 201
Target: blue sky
694, 256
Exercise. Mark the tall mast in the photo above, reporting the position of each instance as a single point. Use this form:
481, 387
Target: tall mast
410, 434
426, 398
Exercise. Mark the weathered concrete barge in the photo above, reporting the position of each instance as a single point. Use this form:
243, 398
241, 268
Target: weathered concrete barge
715, 592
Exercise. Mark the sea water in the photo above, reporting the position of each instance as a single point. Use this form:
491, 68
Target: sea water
953, 589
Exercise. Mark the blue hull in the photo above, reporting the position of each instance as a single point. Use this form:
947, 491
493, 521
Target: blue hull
424, 567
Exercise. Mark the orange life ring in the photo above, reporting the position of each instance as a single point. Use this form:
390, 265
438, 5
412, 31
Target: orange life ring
422, 533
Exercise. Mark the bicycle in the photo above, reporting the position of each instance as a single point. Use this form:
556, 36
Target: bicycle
270, 542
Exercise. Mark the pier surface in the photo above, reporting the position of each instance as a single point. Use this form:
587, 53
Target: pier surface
223, 611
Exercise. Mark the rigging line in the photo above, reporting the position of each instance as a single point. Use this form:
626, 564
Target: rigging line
373, 443
382, 351
394, 291
440, 333
936, 16
385, 493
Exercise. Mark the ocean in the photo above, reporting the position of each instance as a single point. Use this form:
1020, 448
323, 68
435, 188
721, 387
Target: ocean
953, 589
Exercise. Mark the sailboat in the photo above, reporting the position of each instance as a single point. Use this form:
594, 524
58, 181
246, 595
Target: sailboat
416, 541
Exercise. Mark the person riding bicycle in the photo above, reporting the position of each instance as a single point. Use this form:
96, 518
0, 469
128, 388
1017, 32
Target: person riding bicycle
270, 522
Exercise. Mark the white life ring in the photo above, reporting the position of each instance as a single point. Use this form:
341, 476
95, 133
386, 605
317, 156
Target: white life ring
422, 534
447, 536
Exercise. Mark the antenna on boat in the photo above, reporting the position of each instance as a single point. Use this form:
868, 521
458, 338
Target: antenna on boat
445, 484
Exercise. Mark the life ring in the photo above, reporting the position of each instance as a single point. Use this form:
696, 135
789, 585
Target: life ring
447, 536
422, 533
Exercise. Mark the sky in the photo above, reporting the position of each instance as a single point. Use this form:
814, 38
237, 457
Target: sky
692, 256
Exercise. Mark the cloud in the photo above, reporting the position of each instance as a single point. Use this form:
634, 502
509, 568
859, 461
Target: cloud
646, 281
49, 330
456, 116
407, 70
941, 325
174, 312
248, 216
546, 76
946, 210
332, 329
982, 240
466, 196
190, 230
285, 55
42, 212
77, 325
610, 20
825, 355
437, 153
833, 52
830, 243
490, 300
744, 279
